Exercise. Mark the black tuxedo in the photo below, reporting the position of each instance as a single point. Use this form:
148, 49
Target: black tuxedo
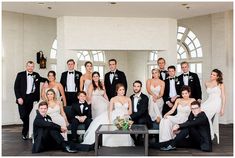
71, 97
76, 111
46, 134
20, 88
142, 115
119, 77
166, 74
194, 84
166, 95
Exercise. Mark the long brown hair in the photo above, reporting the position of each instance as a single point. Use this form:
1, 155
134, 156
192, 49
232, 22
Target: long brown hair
99, 82
220, 76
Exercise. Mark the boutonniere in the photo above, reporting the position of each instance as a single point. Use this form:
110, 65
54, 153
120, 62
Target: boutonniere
86, 108
34, 76
77, 76
190, 77
116, 76
176, 79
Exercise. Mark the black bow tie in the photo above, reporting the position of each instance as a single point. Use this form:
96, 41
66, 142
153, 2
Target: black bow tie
30, 74
111, 72
71, 72
172, 78
162, 71
185, 74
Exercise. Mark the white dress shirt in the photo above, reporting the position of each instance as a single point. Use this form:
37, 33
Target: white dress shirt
111, 76
30, 84
185, 78
71, 86
163, 74
136, 99
172, 92
81, 107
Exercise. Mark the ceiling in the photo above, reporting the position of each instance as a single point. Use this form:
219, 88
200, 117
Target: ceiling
120, 9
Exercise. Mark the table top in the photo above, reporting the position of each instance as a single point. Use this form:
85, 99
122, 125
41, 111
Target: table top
112, 129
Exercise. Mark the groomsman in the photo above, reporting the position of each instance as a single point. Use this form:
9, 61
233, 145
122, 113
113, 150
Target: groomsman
190, 79
172, 90
71, 82
161, 62
140, 113
27, 90
114, 77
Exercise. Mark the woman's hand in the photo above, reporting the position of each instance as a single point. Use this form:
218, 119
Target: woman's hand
45, 85
222, 112
166, 116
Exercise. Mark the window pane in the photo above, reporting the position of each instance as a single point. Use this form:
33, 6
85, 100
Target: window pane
53, 54
101, 57
96, 68
183, 56
178, 46
87, 57
199, 68
95, 57
85, 53
53, 67
79, 55
191, 46
178, 68
151, 56
179, 36
191, 35
187, 41
82, 57
181, 50
199, 52
83, 69
193, 54
101, 71
94, 52
54, 45
178, 57
192, 68
197, 43
181, 29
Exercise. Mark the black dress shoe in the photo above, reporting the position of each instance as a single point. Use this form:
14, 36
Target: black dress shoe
24, 137
67, 149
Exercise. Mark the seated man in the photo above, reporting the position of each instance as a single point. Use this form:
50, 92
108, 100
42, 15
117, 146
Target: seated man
197, 127
81, 114
46, 133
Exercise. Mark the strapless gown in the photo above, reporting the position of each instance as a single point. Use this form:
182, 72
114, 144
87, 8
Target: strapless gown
166, 125
109, 140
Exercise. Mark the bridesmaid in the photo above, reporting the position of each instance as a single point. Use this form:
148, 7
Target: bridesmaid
155, 88
97, 96
86, 78
183, 110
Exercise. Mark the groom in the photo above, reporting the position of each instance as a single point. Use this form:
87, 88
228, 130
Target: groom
140, 113
27, 85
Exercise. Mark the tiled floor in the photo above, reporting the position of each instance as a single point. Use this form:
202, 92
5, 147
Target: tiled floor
13, 145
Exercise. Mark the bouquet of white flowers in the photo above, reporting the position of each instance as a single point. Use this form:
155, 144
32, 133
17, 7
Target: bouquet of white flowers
123, 123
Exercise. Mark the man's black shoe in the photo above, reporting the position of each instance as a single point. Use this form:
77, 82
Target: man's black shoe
24, 137
67, 149
168, 148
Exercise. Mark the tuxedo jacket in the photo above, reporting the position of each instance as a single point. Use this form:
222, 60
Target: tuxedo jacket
142, 109
77, 76
166, 74
76, 110
194, 84
166, 96
199, 129
40, 125
20, 86
119, 77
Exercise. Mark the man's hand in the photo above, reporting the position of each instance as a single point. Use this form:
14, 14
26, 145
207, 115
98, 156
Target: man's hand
63, 129
170, 104
175, 128
20, 101
173, 99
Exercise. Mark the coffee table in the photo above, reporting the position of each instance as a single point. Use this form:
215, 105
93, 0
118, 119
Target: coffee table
120, 151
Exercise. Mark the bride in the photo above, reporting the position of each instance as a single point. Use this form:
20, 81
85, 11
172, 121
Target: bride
120, 105
59, 90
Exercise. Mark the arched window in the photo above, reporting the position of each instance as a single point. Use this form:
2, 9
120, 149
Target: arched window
189, 49
153, 56
96, 57
53, 55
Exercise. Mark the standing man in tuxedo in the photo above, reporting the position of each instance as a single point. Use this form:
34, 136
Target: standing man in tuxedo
27, 90
140, 113
46, 133
196, 127
190, 79
161, 62
114, 77
81, 113
71, 82
172, 90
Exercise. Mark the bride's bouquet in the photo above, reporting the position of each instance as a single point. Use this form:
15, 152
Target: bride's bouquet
123, 122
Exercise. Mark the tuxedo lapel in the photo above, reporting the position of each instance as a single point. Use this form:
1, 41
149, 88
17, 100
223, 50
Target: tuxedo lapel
25, 81
132, 102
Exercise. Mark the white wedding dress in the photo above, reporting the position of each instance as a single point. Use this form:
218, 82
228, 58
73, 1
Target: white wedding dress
98, 103
35, 107
86, 85
109, 140
155, 108
166, 125
212, 106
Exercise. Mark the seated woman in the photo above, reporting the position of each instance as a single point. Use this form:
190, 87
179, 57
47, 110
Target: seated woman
155, 87
97, 96
59, 90
183, 110
120, 105
56, 111
86, 78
